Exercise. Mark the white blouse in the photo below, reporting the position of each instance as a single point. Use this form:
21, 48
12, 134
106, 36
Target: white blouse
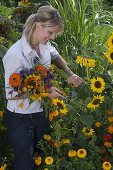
22, 55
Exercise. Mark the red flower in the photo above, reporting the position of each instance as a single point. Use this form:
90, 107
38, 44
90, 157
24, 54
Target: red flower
107, 137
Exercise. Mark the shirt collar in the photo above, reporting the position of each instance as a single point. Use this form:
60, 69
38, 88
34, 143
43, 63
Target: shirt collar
25, 45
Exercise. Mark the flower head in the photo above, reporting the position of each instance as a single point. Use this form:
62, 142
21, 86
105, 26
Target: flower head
87, 131
72, 153
95, 102
97, 84
106, 165
49, 160
15, 79
81, 153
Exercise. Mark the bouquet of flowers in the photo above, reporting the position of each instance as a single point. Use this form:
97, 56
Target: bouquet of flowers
34, 81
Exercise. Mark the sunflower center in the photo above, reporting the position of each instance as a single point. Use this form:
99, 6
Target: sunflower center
81, 152
111, 56
97, 84
96, 101
60, 105
87, 131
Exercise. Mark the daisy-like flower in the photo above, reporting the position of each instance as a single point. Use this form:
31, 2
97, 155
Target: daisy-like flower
109, 55
86, 62
62, 108
109, 112
49, 160
97, 84
47, 137
72, 153
95, 102
106, 165
41, 69
15, 79
110, 129
53, 114
110, 41
81, 153
110, 119
98, 124
38, 160
87, 131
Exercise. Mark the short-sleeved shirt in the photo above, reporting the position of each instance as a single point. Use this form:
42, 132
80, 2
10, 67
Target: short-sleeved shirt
22, 55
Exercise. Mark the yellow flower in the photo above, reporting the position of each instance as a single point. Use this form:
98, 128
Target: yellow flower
38, 160
98, 124
56, 144
86, 62
1, 114
110, 41
47, 137
49, 160
62, 108
95, 102
106, 165
81, 153
72, 153
65, 141
46, 169
88, 132
108, 144
110, 119
109, 55
110, 129
97, 84
3, 167
53, 114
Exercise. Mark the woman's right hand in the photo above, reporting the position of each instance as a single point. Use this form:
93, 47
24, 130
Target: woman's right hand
54, 92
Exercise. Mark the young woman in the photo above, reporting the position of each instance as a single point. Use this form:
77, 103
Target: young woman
27, 125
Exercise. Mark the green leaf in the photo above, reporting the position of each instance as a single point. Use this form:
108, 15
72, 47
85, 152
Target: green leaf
87, 120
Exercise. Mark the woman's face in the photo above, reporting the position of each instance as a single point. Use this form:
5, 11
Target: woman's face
43, 34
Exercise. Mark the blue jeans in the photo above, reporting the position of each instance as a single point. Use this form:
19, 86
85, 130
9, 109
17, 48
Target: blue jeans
24, 131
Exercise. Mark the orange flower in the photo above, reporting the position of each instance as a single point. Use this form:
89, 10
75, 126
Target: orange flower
15, 80
98, 124
108, 144
110, 129
41, 70
109, 112
110, 119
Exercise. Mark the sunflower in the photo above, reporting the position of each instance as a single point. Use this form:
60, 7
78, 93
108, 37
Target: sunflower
87, 131
72, 153
79, 60
53, 114
97, 84
47, 137
81, 153
86, 62
110, 41
109, 55
49, 160
38, 160
106, 165
62, 108
15, 79
95, 102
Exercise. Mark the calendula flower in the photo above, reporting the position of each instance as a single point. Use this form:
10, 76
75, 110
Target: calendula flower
110, 41
109, 55
62, 108
98, 124
81, 153
49, 160
106, 165
87, 131
72, 153
108, 144
97, 84
65, 141
15, 80
47, 137
95, 102
110, 129
38, 160
110, 119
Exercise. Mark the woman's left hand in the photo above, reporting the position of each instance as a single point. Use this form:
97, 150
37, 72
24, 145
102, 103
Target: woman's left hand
75, 80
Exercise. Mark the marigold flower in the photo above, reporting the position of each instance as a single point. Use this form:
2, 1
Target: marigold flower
106, 165
49, 160
81, 153
108, 144
38, 160
72, 153
110, 129
47, 137
98, 124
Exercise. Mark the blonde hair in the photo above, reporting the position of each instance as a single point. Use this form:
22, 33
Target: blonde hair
47, 15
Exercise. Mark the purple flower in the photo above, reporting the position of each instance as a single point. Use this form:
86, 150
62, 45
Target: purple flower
74, 94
